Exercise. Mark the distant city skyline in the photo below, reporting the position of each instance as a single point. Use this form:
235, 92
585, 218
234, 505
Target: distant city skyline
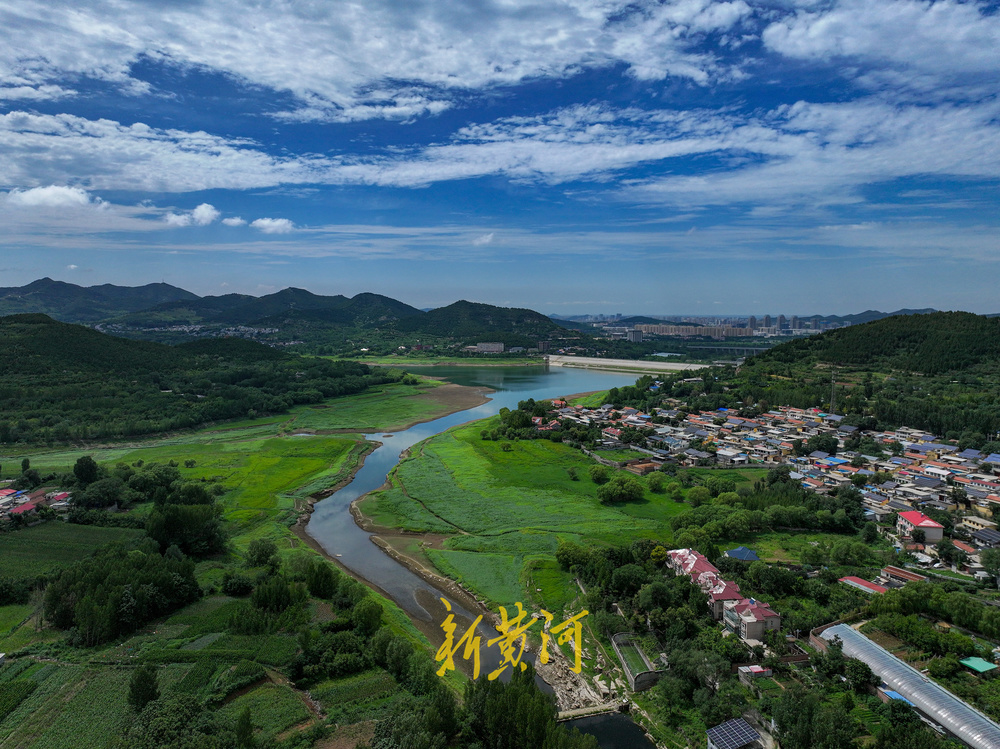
680, 157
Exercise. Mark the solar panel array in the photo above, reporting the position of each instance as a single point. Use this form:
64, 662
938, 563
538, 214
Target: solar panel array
962, 720
733, 734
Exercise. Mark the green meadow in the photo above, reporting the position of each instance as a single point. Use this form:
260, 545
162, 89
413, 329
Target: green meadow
506, 510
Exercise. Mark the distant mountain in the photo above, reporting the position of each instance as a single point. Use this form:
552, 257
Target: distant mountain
71, 303
569, 324
468, 320
869, 316
640, 320
291, 304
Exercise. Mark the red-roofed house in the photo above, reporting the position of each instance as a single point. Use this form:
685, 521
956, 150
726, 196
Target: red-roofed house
724, 590
863, 585
914, 520
24, 509
750, 619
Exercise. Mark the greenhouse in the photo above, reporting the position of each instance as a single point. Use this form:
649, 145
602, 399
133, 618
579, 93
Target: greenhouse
959, 719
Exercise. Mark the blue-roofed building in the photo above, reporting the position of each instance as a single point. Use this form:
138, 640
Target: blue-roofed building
896, 696
743, 554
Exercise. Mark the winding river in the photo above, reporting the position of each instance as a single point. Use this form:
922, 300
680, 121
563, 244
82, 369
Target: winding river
334, 528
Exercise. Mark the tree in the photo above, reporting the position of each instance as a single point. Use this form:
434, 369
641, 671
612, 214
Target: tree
244, 729
698, 495
860, 676
86, 471
367, 616
656, 482
621, 488
261, 552
991, 563
919, 536
598, 474
143, 687
25, 465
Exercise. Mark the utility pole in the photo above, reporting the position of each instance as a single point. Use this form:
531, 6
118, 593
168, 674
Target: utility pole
833, 392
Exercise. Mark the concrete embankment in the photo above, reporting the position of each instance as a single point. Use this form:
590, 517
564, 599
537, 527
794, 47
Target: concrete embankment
620, 365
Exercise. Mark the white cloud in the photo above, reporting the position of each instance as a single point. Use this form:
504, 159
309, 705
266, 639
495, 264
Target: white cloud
72, 267
439, 48
483, 240
273, 225
234, 221
204, 214
932, 39
52, 196
178, 219
109, 155
43, 92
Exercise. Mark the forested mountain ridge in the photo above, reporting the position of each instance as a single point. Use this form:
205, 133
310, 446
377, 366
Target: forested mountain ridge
63, 382
72, 303
932, 343
464, 319
326, 324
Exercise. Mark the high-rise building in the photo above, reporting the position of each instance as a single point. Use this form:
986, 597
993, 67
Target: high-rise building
796, 323
752, 323
782, 323
767, 321
635, 336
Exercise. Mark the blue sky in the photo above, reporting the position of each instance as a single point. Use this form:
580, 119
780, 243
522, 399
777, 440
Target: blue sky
683, 156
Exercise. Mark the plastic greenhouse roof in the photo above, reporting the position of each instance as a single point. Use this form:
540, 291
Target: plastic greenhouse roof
960, 719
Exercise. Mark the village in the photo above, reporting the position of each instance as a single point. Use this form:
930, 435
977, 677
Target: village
914, 479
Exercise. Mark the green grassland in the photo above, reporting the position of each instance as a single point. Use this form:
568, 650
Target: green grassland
382, 408
52, 546
506, 511
80, 701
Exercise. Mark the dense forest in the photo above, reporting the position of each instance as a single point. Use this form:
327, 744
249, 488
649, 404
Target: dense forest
61, 382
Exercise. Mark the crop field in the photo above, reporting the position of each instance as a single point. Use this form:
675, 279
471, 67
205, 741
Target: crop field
54, 545
363, 687
74, 707
273, 708
506, 510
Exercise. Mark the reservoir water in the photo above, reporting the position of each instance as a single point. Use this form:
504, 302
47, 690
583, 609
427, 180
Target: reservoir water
333, 526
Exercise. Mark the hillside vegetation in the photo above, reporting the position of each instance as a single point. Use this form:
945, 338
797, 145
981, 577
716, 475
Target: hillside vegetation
938, 371
61, 382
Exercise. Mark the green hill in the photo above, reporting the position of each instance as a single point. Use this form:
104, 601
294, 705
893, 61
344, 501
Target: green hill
937, 371
73, 303
933, 343
62, 382
467, 320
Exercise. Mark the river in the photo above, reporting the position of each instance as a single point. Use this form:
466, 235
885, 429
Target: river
333, 526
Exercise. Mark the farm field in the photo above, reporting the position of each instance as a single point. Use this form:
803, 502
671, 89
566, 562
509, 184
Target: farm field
53, 546
506, 510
